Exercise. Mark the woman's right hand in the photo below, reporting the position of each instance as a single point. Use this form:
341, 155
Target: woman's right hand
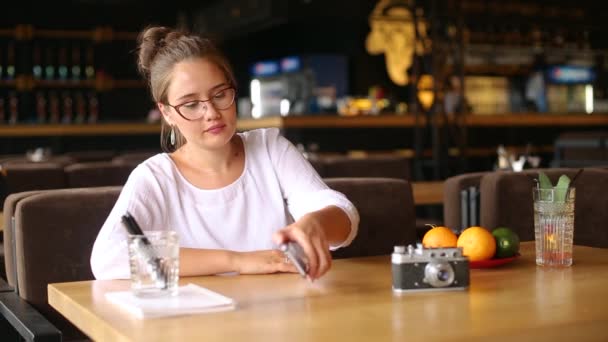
262, 262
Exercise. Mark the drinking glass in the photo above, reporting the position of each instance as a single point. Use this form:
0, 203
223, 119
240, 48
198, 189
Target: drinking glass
154, 262
553, 226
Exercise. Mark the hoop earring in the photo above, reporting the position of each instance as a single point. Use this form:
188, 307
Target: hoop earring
172, 136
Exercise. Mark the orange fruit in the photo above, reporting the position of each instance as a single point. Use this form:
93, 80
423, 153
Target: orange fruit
439, 237
477, 243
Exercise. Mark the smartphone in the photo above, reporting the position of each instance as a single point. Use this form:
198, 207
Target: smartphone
296, 255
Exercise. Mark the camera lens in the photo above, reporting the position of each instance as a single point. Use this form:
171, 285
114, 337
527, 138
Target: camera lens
442, 275
438, 274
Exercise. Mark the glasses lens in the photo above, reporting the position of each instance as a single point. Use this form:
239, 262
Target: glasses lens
223, 99
196, 109
193, 110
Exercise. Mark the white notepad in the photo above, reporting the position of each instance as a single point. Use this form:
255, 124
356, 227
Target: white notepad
191, 299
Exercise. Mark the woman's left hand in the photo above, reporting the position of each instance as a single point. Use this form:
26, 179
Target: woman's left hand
310, 235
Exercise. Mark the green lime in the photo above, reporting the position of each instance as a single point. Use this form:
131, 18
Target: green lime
507, 242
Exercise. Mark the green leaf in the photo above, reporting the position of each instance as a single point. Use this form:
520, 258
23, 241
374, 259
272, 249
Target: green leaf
561, 188
544, 181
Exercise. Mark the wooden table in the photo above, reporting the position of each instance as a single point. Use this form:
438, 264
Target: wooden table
354, 302
428, 192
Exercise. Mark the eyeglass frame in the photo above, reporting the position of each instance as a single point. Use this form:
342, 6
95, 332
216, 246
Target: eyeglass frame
210, 100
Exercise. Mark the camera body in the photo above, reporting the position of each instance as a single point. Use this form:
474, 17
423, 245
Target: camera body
427, 269
294, 252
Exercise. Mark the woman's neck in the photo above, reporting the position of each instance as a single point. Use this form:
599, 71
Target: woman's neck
209, 161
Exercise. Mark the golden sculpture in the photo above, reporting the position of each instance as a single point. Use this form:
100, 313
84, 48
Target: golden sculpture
393, 33
426, 94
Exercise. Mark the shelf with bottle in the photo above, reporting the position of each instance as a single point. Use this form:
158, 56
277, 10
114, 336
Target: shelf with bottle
99, 83
507, 70
98, 129
525, 12
67, 57
49, 106
503, 38
47, 75
98, 34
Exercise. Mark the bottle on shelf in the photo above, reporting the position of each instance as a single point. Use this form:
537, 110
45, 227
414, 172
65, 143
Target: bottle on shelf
49, 64
80, 108
37, 61
10, 61
89, 68
41, 107
62, 63
67, 106
53, 107
13, 107
76, 71
93, 108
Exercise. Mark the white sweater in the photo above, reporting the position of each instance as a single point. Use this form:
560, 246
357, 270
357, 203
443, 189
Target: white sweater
276, 187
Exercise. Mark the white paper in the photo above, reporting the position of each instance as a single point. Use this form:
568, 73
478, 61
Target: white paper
191, 299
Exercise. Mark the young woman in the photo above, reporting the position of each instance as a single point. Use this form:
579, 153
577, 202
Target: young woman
231, 197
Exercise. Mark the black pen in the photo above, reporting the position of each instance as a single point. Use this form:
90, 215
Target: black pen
133, 228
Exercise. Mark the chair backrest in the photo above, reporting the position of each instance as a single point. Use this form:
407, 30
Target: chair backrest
19, 177
452, 199
506, 200
7, 229
385, 166
386, 210
91, 155
134, 158
54, 235
23, 159
580, 149
81, 175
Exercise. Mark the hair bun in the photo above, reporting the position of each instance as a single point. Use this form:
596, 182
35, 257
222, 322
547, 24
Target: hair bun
151, 41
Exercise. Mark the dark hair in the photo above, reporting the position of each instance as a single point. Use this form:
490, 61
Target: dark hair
160, 48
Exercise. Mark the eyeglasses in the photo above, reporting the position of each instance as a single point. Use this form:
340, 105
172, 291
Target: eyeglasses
194, 110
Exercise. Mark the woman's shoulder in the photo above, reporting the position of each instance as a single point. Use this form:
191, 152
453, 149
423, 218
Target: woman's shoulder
268, 139
159, 159
157, 165
260, 135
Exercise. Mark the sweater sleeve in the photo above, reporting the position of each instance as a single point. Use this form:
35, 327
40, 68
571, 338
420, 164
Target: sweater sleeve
302, 187
110, 258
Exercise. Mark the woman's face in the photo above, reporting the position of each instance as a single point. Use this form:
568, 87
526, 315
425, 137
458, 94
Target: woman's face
201, 80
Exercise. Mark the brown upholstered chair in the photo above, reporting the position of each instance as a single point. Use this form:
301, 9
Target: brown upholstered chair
133, 158
92, 174
581, 149
22, 159
389, 166
91, 156
8, 231
19, 177
54, 235
33, 176
386, 210
7, 158
506, 200
452, 204
386, 165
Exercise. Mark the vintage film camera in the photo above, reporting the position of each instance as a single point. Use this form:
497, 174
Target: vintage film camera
424, 269
294, 252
